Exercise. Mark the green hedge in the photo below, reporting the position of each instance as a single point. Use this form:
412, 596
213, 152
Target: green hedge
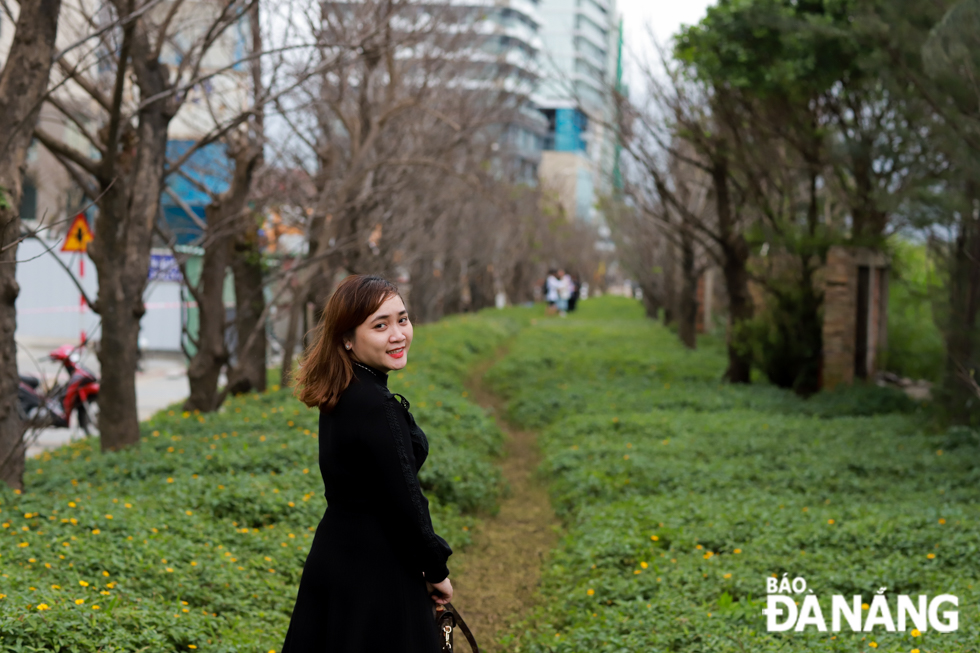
196, 539
680, 495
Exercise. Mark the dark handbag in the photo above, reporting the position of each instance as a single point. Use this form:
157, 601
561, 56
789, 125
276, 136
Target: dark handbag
447, 620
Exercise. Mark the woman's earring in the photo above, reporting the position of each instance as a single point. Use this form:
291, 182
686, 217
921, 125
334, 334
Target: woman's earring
347, 345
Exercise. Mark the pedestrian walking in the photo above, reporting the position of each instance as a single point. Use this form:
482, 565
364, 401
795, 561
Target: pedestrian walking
551, 284
564, 287
376, 565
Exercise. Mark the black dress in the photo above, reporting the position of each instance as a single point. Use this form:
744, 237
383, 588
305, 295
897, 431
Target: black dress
362, 588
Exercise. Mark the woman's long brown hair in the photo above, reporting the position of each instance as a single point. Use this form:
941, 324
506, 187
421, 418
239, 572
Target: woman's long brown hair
326, 369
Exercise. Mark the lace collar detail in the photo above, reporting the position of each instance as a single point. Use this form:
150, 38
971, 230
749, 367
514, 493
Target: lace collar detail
381, 377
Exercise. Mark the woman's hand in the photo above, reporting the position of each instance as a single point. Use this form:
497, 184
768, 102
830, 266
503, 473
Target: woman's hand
443, 588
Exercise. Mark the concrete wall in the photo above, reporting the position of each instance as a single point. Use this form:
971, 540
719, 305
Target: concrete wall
48, 307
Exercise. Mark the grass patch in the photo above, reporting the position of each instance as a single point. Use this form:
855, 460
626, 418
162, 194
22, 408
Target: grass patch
681, 495
196, 539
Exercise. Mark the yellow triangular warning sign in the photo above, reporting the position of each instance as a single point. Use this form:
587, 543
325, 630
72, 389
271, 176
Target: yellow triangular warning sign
79, 235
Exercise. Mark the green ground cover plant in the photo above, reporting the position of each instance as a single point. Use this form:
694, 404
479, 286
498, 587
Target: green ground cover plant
196, 540
681, 495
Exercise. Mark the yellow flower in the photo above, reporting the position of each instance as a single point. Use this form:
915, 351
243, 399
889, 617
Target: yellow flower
95, 607
738, 551
79, 601
626, 457
191, 646
188, 512
728, 575
56, 587
942, 521
590, 591
108, 516
23, 544
170, 479
105, 573
185, 414
873, 644
830, 521
71, 504
95, 531
644, 565
83, 583
930, 555
289, 423
865, 606
915, 650
170, 570
654, 538
699, 547
43, 606
915, 632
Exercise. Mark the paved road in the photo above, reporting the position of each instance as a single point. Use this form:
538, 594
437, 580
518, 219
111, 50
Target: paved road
162, 382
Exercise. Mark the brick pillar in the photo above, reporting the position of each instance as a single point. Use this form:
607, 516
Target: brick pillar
840, 299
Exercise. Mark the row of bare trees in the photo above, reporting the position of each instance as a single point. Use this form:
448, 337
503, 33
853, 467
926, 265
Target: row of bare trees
378, 129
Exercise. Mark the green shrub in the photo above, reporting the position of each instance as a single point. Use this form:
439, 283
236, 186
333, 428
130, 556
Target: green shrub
915, 344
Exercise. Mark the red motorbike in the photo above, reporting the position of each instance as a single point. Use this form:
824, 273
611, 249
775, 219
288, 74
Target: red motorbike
53, 407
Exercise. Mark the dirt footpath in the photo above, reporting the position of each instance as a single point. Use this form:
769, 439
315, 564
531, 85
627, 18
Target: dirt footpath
495, 579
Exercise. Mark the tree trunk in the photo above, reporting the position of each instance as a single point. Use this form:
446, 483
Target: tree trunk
957, 394
22, 85
249, 373
687, 302
212, 353
735, 254
423, 292
296, 306
121, 253
225, 216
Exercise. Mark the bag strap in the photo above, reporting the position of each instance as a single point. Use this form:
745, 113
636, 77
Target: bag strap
462, 625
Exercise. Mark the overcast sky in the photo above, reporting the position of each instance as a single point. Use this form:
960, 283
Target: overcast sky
665, 16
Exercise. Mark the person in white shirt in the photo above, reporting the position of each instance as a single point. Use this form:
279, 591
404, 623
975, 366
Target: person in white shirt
551, 290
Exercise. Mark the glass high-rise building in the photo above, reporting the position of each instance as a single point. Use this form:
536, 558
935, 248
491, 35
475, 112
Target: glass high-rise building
580, 63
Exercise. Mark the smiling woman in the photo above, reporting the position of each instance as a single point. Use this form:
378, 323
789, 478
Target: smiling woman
375, 560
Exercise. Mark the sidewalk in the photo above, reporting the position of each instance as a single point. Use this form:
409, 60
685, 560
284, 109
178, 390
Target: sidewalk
162, 382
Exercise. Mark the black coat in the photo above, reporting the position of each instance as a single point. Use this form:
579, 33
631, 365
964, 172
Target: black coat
362, 588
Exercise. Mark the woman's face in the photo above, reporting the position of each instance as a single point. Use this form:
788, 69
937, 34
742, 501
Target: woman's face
382, 340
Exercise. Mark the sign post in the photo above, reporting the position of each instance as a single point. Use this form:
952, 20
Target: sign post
76, 240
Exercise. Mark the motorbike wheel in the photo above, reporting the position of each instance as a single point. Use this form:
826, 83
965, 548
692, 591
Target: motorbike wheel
88, 415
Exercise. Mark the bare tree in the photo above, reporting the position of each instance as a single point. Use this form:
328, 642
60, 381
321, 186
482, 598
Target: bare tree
23, 84
127, 125
683, 122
